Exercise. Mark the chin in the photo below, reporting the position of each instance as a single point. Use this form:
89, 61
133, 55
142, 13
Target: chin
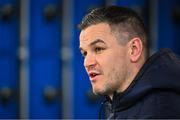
102, 91
99, 92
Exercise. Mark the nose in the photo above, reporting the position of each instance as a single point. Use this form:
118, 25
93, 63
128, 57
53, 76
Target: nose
89, 61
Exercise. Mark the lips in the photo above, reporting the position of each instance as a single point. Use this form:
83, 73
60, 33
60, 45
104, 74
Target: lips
93, 74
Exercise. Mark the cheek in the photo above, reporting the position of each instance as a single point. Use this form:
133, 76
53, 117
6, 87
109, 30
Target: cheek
107, 66
114, 66
111, 59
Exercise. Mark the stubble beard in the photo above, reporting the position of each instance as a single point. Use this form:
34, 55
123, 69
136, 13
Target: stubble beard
114, 79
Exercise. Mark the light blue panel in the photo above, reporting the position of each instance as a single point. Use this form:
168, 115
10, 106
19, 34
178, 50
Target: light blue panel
44, 32
9, 26
44, 59
140, 6
9, 64
169, 28
165, 28
44, 73
131, 3
9, 80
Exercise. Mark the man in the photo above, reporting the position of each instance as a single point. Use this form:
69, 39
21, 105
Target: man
113, 42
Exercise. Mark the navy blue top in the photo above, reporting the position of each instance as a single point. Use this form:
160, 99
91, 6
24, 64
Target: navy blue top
154, 93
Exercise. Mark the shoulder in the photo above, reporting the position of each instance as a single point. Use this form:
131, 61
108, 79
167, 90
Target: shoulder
161, 104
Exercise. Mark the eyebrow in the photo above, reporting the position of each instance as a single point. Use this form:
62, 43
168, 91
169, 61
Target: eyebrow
95, 42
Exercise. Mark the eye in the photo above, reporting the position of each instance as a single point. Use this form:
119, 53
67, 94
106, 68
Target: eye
83, 53
99, 49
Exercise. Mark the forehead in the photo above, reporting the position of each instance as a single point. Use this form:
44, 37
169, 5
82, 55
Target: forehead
100, 31
101, 28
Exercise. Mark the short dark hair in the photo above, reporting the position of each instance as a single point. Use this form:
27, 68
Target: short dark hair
122, 20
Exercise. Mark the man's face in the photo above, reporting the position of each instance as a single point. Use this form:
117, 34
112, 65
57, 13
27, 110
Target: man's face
105, 60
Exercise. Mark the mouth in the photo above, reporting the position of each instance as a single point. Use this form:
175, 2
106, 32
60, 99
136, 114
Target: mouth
93, 75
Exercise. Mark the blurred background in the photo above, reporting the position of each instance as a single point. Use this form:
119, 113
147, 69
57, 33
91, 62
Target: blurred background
41, 69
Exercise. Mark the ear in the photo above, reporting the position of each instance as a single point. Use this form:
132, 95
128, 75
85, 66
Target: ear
135, 48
